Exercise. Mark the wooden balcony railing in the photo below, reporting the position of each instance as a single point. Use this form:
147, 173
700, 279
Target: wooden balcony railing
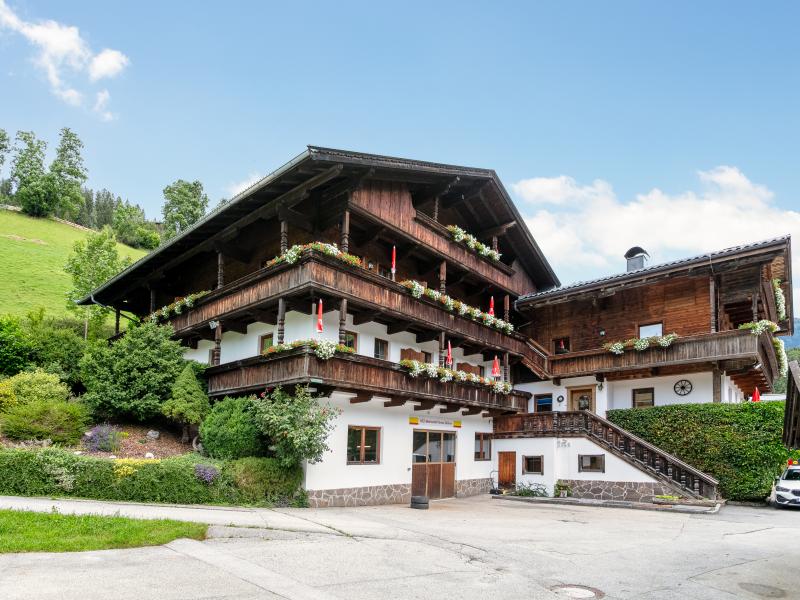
353, 373
620, 442
710, 347
791, 419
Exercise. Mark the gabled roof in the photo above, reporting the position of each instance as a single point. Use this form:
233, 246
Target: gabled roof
313, 163
781, 243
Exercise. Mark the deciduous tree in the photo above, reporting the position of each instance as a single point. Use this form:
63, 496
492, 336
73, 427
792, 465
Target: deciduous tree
28, 174
184, 204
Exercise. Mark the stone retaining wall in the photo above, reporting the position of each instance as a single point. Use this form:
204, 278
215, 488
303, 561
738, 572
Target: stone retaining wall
619, 490
472, 487
399, 493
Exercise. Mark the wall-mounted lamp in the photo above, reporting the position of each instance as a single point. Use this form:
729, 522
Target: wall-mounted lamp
602, 332
600, 387
213, 324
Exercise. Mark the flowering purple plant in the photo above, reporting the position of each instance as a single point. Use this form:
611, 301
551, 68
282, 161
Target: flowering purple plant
103, 438
206, 473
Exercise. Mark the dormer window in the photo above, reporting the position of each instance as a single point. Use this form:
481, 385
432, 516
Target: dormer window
651, 330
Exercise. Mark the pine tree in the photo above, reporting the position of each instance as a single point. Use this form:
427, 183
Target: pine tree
189, 404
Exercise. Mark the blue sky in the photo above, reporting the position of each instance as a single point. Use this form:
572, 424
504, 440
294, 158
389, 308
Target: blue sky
670, 125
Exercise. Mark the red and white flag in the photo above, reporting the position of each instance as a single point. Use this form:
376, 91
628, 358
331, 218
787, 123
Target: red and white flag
491, 305
394, 259
319, 316
449, 360
756, 395
496, 367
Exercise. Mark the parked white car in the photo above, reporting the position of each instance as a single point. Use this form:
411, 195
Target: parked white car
786, 489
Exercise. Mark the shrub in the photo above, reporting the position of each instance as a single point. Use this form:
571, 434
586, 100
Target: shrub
133, 377
229, 432
297, 426
56, 347
32, 386
60, 421
738, 444
56, 472
189, 404
15, 346
105, 438
264, 479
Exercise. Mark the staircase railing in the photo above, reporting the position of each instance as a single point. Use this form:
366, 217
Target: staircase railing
620, 442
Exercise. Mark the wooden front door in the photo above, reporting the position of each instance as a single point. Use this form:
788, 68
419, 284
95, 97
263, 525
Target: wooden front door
507, 469
433, 469
581, 399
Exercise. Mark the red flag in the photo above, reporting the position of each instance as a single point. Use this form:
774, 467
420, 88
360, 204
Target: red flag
496, 367
449, 360
394, 259
756, 395
491, 305
319, 316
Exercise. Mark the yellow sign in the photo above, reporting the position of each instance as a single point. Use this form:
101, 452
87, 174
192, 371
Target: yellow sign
456, 423
413, 420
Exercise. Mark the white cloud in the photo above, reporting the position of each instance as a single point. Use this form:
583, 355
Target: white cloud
240, 186
62, 51
100, 106
109, 63
585, 230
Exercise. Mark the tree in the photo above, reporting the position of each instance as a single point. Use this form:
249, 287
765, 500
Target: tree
184, 204
68, 174
297, 426
91, 263
33, 192
15, 346
189, 404
780, 384
105, 203
4, 147
86, 215
134, 376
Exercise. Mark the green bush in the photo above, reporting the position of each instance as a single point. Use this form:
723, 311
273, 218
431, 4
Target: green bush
56, 347
32, 386
738, 444
189, 403
55, 472
60, 421
133, 377
15, 346
260, 479
229, 431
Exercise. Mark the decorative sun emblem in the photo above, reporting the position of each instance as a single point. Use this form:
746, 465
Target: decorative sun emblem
683, 387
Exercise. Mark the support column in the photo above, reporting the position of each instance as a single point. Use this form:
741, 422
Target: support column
152, 300
494, 243
436, 208
716, 384
284, 236
712, 291
441, 349
507, 308
506, 368
281, 319
344, 245
342, 320
216, 352
220, 270
443, 277
116, 322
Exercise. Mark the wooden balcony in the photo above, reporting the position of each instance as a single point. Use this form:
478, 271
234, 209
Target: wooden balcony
618, 441
735, 349
357, 374
370, 298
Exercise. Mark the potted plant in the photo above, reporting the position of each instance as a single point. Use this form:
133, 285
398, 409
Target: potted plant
562, 490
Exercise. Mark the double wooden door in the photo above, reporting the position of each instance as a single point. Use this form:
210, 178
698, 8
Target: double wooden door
433, 469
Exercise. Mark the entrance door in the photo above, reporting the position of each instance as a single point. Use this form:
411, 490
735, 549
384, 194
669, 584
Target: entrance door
433, 469
581, 399
507, 469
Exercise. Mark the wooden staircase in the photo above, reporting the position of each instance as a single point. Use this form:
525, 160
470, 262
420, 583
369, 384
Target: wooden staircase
634, 450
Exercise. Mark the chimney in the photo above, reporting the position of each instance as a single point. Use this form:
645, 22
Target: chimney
636, 258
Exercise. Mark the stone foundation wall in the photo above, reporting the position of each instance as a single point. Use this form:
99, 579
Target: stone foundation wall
472, 487
398, 493
619, 490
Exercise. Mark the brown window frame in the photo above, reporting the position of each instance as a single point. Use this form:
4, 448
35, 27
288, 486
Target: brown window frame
375, 349
427, 356
355, 339
441, 433
481, 371
602, 468
640, 325
261, 339
364, 429
647, 389
485, 447
525, 466
537, 397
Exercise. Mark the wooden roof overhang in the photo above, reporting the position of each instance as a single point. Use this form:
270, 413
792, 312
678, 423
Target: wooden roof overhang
325, 174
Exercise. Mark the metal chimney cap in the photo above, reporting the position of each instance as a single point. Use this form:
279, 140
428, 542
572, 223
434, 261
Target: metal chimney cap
636, 251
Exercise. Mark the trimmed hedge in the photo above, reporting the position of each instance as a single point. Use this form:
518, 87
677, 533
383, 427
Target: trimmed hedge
55, 472
738, 444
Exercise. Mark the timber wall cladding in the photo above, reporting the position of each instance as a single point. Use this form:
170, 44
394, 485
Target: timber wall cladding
391, 203
683, 305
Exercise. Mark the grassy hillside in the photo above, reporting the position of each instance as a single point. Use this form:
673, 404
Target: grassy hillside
33, 253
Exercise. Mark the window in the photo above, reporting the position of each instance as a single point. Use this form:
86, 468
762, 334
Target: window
592, 463
533, 465
651, 330
543, 403
434, 446
351, 340
481, 371
483, 446
643, 397
381, 349
561, 345
427, 357
384, 271
210, 356
264, 342
363, 445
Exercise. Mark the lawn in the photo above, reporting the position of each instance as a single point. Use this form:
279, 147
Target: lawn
34, 252
51, 532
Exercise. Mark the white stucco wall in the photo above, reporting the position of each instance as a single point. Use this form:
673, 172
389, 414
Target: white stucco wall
333, 472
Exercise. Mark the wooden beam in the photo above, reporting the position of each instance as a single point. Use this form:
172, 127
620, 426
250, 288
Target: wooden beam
371, 235
395, 402
497, 231
471, 411
398, 327
425, 405
427, 336
235, 252
295, 218
361, 398
347, 186
450, 408
363, 317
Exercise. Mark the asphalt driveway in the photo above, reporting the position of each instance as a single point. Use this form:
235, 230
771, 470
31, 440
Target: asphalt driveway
467, 548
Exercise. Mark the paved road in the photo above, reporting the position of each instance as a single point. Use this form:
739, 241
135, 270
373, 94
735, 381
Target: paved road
470, 548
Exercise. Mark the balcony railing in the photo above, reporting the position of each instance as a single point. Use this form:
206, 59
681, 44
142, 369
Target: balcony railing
357, 374
620, 442
711, 347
